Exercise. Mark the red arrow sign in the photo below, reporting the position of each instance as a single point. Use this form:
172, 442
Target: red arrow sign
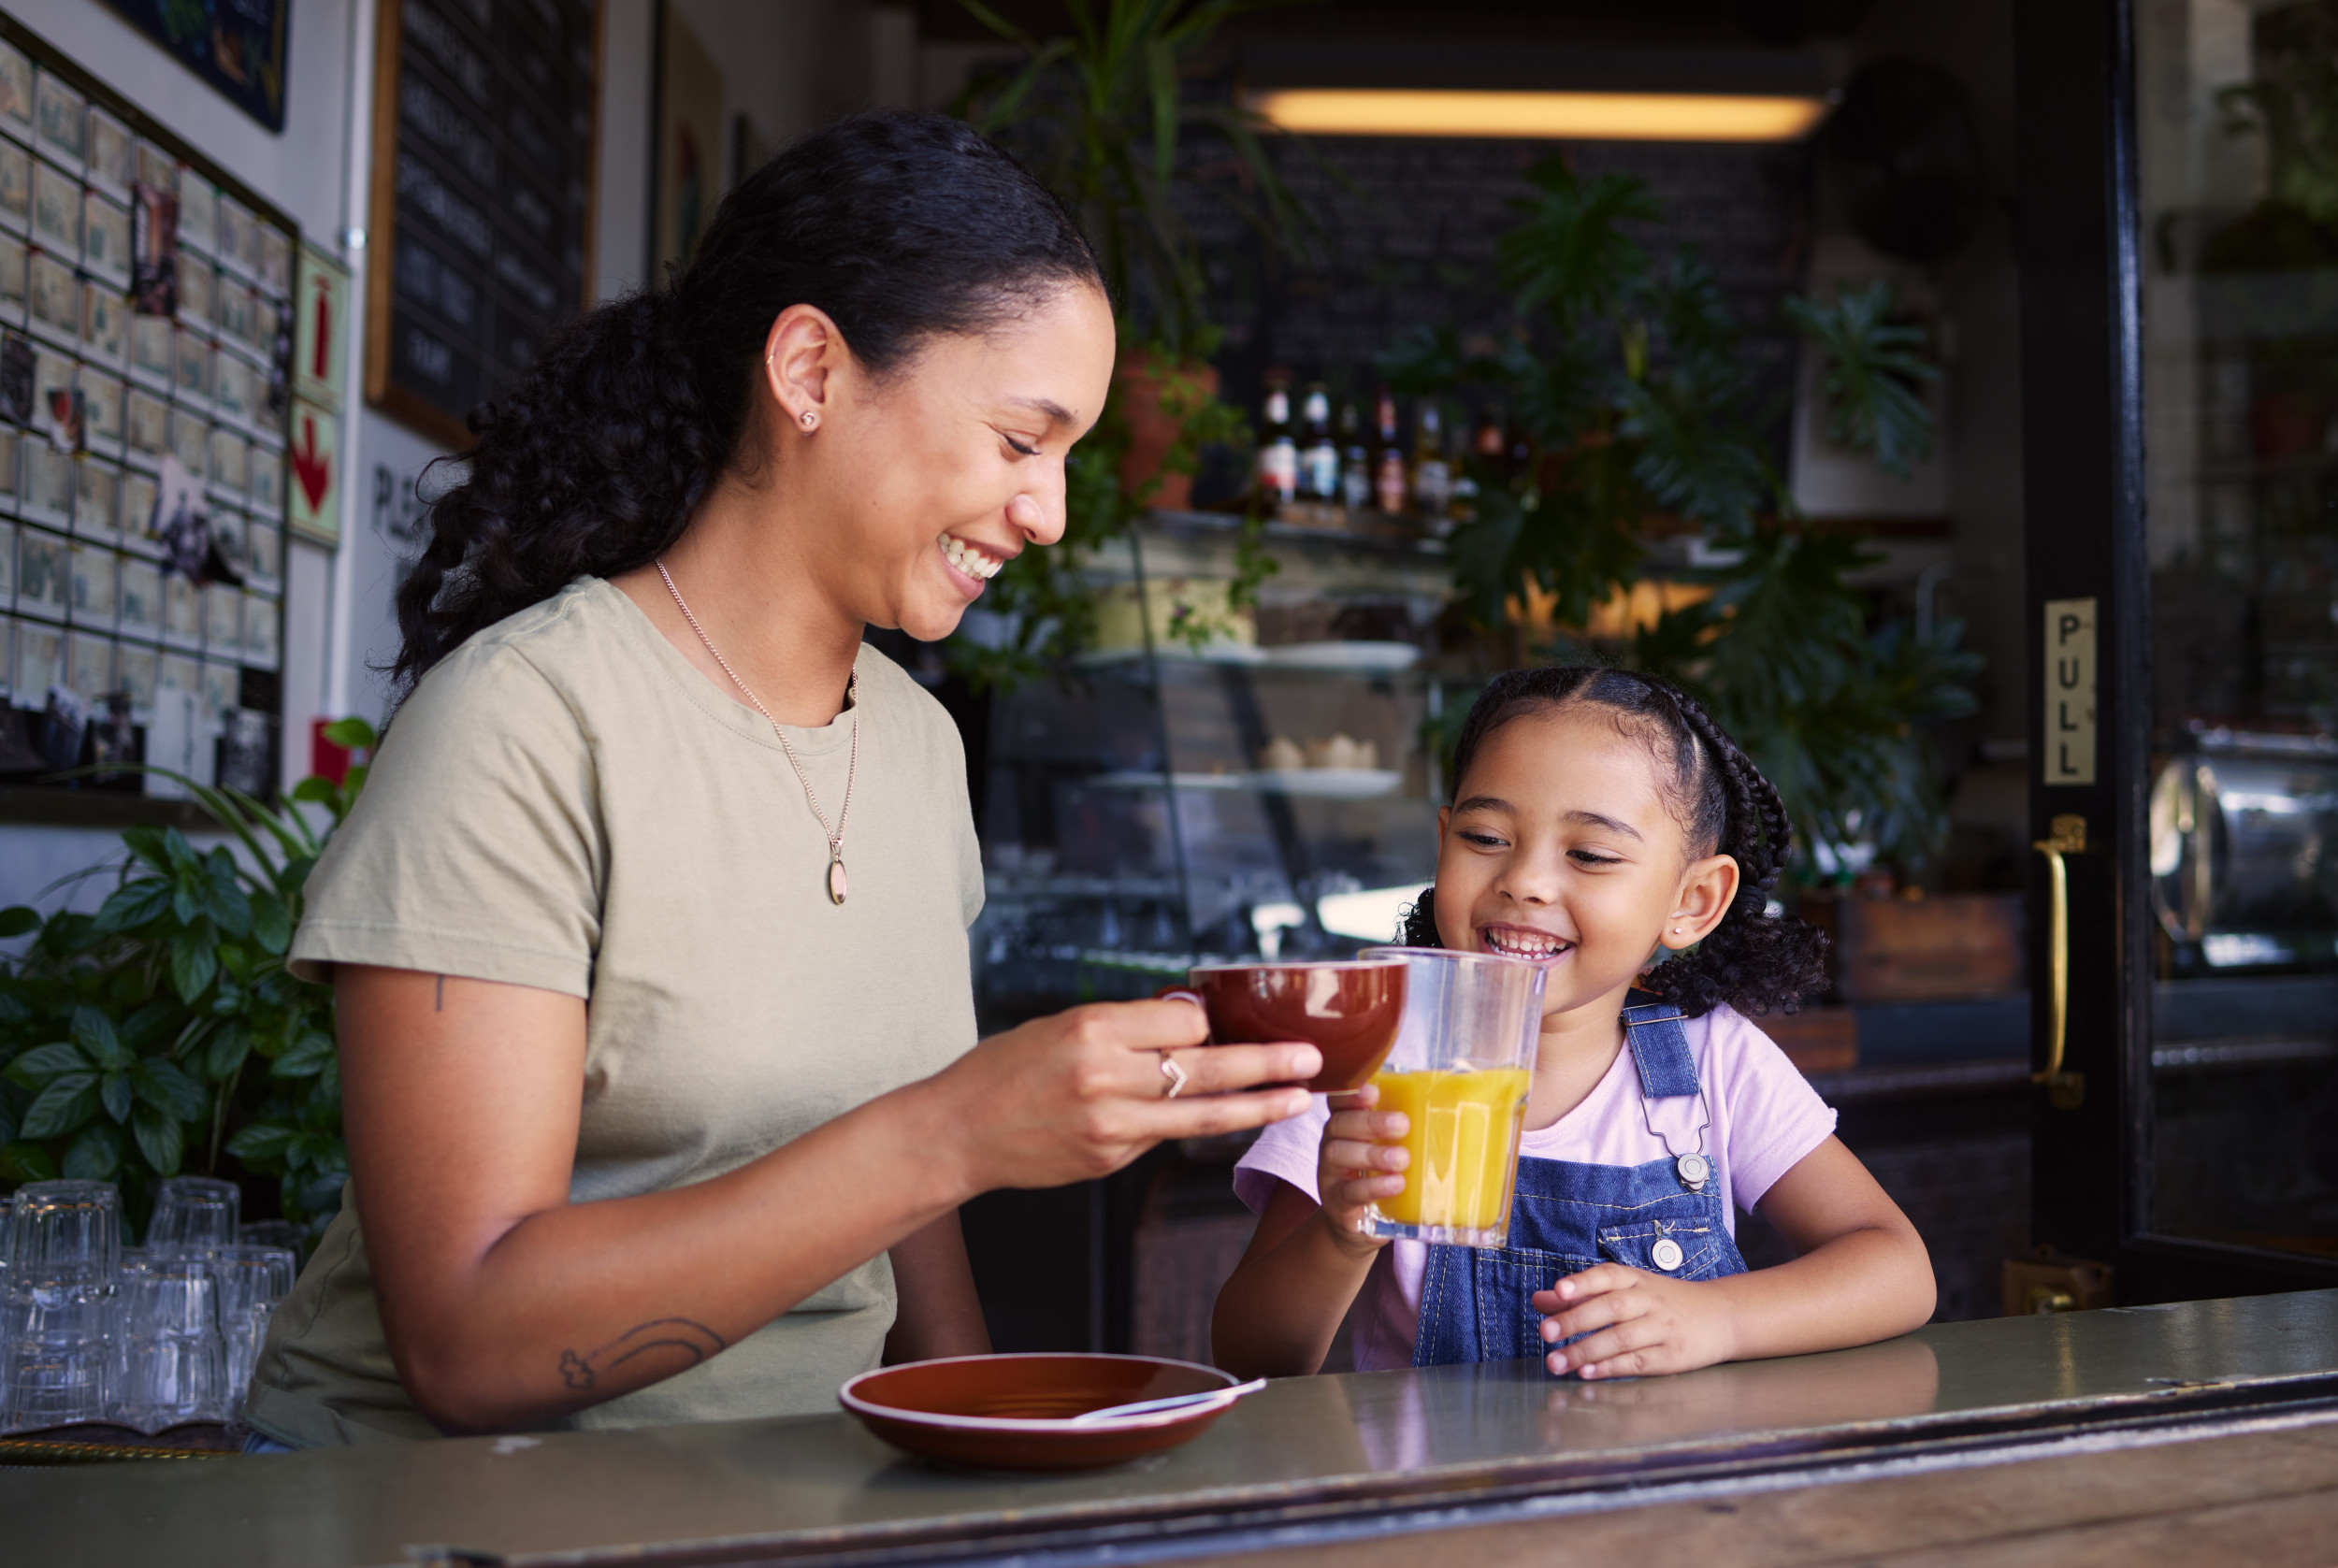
312, 468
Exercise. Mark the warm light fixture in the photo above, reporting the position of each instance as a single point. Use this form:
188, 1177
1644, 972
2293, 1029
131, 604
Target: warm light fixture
1344, 111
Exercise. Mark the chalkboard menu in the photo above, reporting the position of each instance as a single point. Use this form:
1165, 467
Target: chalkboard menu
483, 173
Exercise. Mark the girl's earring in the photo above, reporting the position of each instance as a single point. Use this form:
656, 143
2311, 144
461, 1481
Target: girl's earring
811, 420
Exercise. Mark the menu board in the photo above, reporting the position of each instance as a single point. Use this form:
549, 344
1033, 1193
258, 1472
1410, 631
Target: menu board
483, 178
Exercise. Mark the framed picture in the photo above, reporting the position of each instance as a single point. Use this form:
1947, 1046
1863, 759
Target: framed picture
260, 617
195, 290
153, 350
60, 119
183, 613
141, 598
239, 51
135, 674
222, 620
15, 187
16, 93
96, 508
106, 239
7, 565
49, 490
105, 323
146, 424
154, 251
198, 211
231, 463
56, 209
12, 257
267, 480
235, 223
137, 512
157, 168
276, 260
43, 573
266, 542
55, 299
39, 663
193, 378
93, 586
112, 154
89, 664
190, 440
232, 380
103, 416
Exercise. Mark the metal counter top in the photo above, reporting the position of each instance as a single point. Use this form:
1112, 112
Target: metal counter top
1446, 1444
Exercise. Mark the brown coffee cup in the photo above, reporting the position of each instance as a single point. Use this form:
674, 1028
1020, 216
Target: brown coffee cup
1349, 1009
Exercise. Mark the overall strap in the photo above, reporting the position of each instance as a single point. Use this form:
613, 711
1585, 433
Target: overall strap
1660, 1046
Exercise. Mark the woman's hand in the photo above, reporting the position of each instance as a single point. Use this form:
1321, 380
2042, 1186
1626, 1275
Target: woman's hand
1640, 1323
1079, 1094
1359, 1166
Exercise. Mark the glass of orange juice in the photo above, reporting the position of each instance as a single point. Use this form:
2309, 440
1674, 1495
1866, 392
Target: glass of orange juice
1464, 1059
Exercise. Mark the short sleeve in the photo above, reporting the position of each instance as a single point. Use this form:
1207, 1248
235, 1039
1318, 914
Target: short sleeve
1775, 1118
1290, 1150
476, 847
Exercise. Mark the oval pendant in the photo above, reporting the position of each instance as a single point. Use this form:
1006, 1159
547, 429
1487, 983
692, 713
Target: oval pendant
836, 882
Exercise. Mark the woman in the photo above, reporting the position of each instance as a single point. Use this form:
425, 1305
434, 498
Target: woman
648, 937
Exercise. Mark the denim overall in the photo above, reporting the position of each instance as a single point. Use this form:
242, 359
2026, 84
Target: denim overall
1665, 1217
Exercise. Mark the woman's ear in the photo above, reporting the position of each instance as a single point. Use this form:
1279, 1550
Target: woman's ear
800, 356
1708, 889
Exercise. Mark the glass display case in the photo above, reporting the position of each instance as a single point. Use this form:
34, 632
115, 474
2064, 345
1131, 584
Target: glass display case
1211, 781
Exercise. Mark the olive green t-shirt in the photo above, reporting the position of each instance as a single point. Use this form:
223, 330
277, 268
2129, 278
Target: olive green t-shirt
566, 802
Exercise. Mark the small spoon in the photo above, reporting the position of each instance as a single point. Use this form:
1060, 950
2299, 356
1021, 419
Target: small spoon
1175, 1402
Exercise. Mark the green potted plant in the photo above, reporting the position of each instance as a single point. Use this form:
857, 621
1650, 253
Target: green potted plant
163, 1032
1099, 115
1629, 382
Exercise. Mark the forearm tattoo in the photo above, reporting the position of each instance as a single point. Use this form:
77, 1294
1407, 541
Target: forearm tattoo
695, 1340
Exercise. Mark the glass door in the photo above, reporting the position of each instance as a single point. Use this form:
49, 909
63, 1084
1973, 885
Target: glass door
2180, 224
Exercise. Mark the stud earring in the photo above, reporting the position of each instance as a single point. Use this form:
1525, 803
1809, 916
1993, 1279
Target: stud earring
811, 420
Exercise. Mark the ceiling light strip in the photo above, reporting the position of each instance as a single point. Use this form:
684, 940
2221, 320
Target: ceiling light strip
1563, 116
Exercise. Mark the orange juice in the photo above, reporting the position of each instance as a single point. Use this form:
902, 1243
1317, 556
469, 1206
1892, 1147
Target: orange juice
1462, 1136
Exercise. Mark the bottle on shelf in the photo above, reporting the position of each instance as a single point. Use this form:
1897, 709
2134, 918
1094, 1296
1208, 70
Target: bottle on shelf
1318, 458
1278, 452
1491, 447
1432, 473
1355, 461
1391, 478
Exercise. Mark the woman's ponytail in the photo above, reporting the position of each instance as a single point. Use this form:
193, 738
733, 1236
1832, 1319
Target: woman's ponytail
899, 226
590, 466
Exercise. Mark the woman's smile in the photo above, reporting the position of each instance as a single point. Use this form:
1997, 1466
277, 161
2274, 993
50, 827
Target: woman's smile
972, 564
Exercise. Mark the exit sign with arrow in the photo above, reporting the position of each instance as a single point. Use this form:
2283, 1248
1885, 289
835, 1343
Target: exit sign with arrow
315, 461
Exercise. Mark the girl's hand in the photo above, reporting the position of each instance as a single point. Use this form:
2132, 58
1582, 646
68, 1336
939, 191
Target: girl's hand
1355, 1166
1079, 1094
1646, 1323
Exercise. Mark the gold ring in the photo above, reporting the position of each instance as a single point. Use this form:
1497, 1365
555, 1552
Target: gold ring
1176, 1074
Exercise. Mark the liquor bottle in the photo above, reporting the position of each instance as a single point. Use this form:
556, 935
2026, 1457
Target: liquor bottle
1431, 474
1391, 481
1355, 461
1319, 459
1278, 453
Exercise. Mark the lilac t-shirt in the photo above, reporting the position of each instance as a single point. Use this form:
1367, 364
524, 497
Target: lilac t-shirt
1766, 1118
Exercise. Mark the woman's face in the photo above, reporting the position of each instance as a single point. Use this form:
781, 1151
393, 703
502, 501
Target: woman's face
954, 464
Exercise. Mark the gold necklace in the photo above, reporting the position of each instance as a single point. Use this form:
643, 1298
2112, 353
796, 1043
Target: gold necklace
852, 700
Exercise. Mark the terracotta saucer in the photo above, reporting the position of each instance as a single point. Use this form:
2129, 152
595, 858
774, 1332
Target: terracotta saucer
1014, 1412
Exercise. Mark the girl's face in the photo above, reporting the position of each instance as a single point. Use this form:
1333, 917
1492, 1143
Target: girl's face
1561, 847
935, 476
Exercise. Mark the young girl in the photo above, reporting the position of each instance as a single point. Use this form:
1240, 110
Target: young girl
1598, 818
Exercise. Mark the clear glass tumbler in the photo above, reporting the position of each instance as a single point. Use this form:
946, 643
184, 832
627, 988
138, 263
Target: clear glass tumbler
1464, 1060
62, 1310
173, 1360
193, 1214
251, 1280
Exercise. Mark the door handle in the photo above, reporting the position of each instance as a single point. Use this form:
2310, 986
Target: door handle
2066, 1090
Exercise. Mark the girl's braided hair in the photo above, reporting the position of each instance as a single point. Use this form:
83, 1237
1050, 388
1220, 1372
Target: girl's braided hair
1755, 961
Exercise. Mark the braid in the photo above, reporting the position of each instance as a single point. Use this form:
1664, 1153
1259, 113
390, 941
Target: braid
1755, 961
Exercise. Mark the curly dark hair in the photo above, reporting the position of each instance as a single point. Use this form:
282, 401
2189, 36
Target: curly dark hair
1755, 961
901, 227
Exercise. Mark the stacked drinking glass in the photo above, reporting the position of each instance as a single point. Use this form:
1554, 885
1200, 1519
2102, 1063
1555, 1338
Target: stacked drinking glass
64, 1305
147, 1337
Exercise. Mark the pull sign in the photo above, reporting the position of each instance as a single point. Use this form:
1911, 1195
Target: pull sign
2070, 692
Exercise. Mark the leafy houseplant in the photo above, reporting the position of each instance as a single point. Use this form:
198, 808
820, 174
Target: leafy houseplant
1099, 116
1627, 377
164, 1032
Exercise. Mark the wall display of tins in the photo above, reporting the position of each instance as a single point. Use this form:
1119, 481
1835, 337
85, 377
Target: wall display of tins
145, 338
